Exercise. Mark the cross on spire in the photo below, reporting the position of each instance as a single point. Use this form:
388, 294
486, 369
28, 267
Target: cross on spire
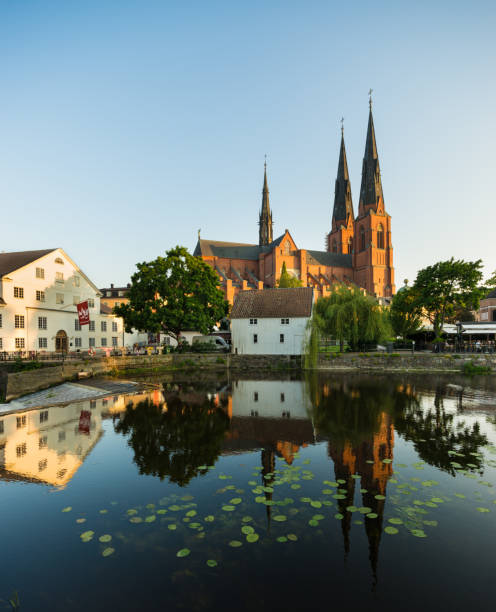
370, 98
342, 125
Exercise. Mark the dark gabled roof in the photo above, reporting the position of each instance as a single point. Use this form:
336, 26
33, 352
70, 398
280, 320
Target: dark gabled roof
324, 258
13, 261
273, 303
233, 250
491, 295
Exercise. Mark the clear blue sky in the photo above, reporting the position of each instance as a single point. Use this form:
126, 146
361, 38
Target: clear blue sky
125, 126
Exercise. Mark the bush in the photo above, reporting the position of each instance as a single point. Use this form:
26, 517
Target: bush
470, 368
23, 366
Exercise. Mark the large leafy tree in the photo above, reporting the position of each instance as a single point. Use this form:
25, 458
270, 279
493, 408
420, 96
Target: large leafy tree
446, 288
286, 281
405, 313
174, 293
351, 316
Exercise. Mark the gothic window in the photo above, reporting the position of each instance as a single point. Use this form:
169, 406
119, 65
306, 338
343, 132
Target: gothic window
362, 239
380, 237
287, 247
350, 245
334, 247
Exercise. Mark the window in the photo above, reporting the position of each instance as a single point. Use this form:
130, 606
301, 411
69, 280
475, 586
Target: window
1, 343
42, 465
282, 397
21, 421
334, 247
254, 413
91, 303
91, 326
114, 326
61, 473
43, 442
19, 321
59, 260
77, 325
92, 403
59, 298
91, 342
362, 239
380, 237
281, 338
40, 296
61, 436
43, 416
40, 272
42, 322
255, 338
19, 343
76, 299
0, 320
287, 248
18, 292
284, 321
104, 342
350, 245
21, 449
253, 321
77, 281
103, 326
1, 427
59, 277
115, 340
78, 342
255, 396
108, 293
42, 343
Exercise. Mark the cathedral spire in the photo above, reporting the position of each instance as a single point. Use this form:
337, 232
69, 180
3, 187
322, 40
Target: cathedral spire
265, 219
371, 187
343, 204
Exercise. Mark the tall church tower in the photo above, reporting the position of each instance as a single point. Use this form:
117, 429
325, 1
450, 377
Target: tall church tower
373, 251
340, 238
265, 219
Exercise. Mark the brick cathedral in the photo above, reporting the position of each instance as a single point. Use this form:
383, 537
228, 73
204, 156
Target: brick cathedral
359, 249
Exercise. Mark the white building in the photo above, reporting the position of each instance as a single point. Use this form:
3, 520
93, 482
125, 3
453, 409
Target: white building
271, 321
39, 291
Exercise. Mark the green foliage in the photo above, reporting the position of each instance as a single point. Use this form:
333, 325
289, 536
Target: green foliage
23, 366
349, 316
470, 368
286, 281
491, 282
172, 294
446, 288
405, 313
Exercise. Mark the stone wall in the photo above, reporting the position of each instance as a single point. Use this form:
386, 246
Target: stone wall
420, 362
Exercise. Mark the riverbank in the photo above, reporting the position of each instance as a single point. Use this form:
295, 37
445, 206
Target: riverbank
16, 384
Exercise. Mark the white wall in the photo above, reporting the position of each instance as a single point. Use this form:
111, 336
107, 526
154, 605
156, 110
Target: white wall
268, 332
270, 399
74, 287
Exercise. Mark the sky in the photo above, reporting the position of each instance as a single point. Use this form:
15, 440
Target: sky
127, 126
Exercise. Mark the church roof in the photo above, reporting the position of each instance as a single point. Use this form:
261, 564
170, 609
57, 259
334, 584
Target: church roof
233, 250
13, 261
324, 258
273, 303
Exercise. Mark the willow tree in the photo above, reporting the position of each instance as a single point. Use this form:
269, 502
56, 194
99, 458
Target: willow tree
349, 316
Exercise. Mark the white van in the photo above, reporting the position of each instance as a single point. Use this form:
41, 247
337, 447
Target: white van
215, 343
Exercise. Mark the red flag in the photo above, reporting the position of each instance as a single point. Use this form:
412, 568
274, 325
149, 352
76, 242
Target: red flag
83, 313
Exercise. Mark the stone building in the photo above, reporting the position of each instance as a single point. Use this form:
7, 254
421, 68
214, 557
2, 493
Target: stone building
359, 248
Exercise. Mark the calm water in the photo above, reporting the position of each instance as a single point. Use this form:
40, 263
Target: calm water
338, 491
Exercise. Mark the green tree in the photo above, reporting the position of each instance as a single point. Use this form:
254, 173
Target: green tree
405, 314
172, 294
348, 315
491, 282
446, 288
286, 281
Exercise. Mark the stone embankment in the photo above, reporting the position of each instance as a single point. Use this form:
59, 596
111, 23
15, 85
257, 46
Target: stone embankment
17, 384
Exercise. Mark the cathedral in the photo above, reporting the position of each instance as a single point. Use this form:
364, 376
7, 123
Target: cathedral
359, 249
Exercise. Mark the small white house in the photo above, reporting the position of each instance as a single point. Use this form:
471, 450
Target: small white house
271, 321
39, 291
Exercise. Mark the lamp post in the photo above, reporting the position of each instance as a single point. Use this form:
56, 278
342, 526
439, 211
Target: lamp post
459, 335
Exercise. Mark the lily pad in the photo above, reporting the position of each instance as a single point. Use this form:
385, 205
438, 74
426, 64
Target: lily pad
228, 508
245, 519
313, 523
67, 509
235, 543
379, 497
86, 536
81, 520
252, 537
338, 516
104, 511
246, 529
175, 508
191, 513
316, 504
372, 515
390, 530
418, 533
135, 519
395, 521
236, 501
483, 510
184, 552
293, 537
351, 508
162, 511
172, 527
105, 538
150, 518
282, 539
132, 511
280, 518
212, 563
108, 551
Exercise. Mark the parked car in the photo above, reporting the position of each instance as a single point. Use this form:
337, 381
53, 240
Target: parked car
215, 343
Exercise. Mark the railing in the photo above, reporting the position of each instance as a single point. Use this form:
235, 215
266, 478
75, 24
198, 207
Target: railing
57, 355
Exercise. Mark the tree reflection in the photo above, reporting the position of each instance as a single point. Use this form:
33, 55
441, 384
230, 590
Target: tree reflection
174, 439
